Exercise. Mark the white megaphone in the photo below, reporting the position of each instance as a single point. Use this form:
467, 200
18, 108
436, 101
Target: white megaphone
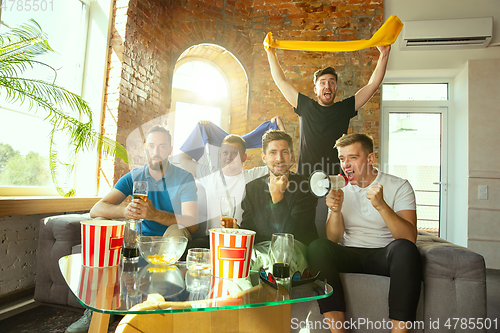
320, 183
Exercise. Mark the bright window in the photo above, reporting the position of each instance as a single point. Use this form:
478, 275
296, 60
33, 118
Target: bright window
24, 135
201, 78
415, 92
200, 92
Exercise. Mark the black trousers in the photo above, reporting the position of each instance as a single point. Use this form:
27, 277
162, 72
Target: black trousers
400, 260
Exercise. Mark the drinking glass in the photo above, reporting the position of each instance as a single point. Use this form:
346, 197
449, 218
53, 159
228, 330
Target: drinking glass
197, 285
133, 227
129, 283
280, 254
228, 210
140, 190
198, 261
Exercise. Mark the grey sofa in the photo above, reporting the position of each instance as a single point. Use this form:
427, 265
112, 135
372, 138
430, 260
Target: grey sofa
454, 284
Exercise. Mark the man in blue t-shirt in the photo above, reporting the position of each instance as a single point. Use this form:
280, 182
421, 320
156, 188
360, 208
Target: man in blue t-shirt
171, 208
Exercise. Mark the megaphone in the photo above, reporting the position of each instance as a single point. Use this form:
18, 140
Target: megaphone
320, 183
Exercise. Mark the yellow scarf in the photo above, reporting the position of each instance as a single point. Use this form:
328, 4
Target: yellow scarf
386, 35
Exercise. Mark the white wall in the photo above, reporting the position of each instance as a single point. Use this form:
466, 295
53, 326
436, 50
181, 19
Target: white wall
94, 79
484, 159
458, 157
439, 63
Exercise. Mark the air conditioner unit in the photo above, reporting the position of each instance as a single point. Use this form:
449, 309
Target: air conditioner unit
447, 34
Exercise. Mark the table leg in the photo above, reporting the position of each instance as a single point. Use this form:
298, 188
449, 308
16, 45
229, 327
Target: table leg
99, 323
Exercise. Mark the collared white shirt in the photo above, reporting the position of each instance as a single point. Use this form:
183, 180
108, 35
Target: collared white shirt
364, 226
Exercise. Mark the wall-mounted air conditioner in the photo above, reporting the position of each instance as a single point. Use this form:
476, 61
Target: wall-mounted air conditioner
447, 34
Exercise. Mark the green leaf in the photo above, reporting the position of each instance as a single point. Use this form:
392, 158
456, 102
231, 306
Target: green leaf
19, 48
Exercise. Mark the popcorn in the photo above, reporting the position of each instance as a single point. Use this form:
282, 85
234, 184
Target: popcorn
165, 259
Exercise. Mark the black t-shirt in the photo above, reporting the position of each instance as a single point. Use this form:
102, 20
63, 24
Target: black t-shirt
320, 127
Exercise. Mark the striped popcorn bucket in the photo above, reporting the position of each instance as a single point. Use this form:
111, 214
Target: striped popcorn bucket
102, 242
100, 287
231, 252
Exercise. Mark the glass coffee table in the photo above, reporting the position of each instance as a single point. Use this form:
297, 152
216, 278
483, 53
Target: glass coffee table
176, 300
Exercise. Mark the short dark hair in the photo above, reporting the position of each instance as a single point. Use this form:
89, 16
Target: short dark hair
274, 135
236, 139
158, 128
365, 140
321, 72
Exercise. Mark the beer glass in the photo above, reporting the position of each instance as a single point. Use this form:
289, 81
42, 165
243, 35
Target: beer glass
228, 210
133, 227
140, 190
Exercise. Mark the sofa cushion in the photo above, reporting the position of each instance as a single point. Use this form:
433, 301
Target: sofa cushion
453, 275
57, 235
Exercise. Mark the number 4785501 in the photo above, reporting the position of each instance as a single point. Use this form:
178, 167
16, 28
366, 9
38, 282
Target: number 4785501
27, 5
471, 323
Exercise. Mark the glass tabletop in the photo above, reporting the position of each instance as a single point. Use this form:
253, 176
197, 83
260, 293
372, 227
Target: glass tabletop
143, 288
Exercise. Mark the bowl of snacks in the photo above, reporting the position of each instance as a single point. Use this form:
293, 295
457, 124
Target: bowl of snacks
162, 251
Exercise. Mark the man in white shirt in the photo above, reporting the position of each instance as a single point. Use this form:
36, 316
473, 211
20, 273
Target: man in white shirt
372, 229
231, 178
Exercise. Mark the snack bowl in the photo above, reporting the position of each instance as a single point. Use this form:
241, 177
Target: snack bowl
162, 251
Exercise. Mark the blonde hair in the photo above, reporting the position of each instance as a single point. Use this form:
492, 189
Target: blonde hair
236, 139
365, 140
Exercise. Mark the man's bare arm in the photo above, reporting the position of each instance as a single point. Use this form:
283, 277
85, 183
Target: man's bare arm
364, 94
402, 224
335, 222
335, 226
112, 206
140, 209
188, 164
291, 94
189, 218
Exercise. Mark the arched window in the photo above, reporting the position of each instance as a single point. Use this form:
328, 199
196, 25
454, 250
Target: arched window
200, 91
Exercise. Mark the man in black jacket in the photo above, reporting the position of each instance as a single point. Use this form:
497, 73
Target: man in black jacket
280, 202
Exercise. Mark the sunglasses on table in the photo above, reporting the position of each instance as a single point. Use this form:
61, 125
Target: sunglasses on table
297, 278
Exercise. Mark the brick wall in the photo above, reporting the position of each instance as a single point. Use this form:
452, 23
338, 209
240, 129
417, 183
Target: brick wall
18, 246
149, 36
139, 75
316, 21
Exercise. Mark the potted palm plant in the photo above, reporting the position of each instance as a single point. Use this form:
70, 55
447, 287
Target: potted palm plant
19, 49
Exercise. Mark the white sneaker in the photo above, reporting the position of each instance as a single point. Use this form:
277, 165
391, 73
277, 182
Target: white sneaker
81, 325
